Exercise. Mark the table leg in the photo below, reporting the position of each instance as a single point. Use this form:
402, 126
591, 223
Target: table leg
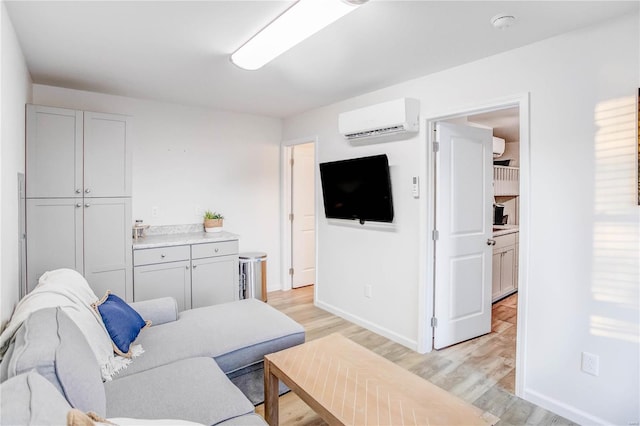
270, 395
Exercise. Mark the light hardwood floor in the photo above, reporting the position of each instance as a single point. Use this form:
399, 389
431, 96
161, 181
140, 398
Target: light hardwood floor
481, 371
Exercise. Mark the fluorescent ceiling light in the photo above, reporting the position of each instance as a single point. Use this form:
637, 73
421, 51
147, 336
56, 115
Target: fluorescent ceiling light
303, 19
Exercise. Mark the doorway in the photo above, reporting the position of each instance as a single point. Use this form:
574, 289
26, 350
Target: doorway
300, 221
516, 204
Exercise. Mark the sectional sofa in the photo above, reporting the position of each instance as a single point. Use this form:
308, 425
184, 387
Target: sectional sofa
183, 374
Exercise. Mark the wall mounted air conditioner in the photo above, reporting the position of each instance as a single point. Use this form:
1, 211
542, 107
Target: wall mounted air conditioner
396, 119
498, 147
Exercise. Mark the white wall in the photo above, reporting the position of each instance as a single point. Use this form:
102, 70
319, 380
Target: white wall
185, 157
583, 283
15, 92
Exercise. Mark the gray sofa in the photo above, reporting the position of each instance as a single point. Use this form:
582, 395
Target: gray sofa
184, 372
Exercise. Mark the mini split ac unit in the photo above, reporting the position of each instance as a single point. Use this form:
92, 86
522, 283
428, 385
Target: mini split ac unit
498, 147
397, 118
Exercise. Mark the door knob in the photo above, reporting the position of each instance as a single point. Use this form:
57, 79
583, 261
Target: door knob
87, 205
78, 191
87, 190
78, 205
491, 242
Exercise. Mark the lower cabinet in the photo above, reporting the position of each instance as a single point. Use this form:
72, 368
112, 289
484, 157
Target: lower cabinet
90, 235
505, 278
210, 279
161, 280
195, 275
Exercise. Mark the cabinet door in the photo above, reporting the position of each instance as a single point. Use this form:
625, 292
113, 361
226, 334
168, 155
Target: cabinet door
164, 279
54, 237
507, 269
107, 155
107, 246
495, 277
53, 152
214, 280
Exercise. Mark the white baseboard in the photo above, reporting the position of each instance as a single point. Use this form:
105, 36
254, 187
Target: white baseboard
565, 410
411, 344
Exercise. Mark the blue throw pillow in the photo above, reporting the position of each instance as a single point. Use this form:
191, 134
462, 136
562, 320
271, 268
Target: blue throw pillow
121, 321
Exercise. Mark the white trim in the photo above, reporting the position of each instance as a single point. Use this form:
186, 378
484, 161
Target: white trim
425, 247
426, 219
411, 344
560, 408
285, 208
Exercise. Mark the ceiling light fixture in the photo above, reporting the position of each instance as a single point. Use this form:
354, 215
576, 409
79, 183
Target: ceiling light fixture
303, 19
502, 21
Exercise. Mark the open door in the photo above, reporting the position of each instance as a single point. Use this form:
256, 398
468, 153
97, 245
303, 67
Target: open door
303, 255
463, 251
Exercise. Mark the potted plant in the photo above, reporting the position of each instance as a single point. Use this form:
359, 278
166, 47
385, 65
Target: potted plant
212, 221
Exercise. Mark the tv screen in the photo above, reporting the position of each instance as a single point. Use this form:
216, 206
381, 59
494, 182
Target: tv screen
359, 189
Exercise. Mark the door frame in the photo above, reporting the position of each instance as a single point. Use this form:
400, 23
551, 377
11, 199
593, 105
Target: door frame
427, 222
285, 208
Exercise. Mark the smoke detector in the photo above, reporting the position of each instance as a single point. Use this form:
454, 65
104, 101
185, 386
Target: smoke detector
502, 21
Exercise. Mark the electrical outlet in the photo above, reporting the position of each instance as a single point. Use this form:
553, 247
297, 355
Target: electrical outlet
590, 363
368, 291
154, 211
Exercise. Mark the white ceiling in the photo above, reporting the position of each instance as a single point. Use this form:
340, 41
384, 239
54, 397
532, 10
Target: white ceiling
504, 122
179, 51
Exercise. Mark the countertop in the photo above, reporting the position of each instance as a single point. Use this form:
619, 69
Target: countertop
165, 240
499, 230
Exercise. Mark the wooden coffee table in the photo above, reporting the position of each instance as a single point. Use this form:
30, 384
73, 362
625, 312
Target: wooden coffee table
346, 383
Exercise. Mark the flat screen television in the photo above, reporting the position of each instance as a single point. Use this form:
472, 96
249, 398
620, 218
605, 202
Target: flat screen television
358, 189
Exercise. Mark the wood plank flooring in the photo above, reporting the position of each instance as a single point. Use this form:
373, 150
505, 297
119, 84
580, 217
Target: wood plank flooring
481, 371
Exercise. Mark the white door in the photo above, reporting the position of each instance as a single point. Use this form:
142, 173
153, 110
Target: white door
303, 235
464, 197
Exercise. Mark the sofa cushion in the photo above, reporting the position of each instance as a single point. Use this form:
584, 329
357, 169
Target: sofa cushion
121, 321
236, 334
30, 399
159, 311
192, 389
51, 343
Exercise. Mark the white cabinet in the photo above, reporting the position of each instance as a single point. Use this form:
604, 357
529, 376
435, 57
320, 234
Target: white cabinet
54, 236
195, 275
74, 153
214, 280
89, 235
504, 280
54, 152
107, 245
78, 187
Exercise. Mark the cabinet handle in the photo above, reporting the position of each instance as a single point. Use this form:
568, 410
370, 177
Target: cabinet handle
216, 250
78, 191
491, 242
163, 256
187, 267
78, 205
87, 190
194, 266
87, 205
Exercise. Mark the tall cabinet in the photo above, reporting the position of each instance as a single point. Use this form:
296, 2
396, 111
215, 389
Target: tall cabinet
78, 188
